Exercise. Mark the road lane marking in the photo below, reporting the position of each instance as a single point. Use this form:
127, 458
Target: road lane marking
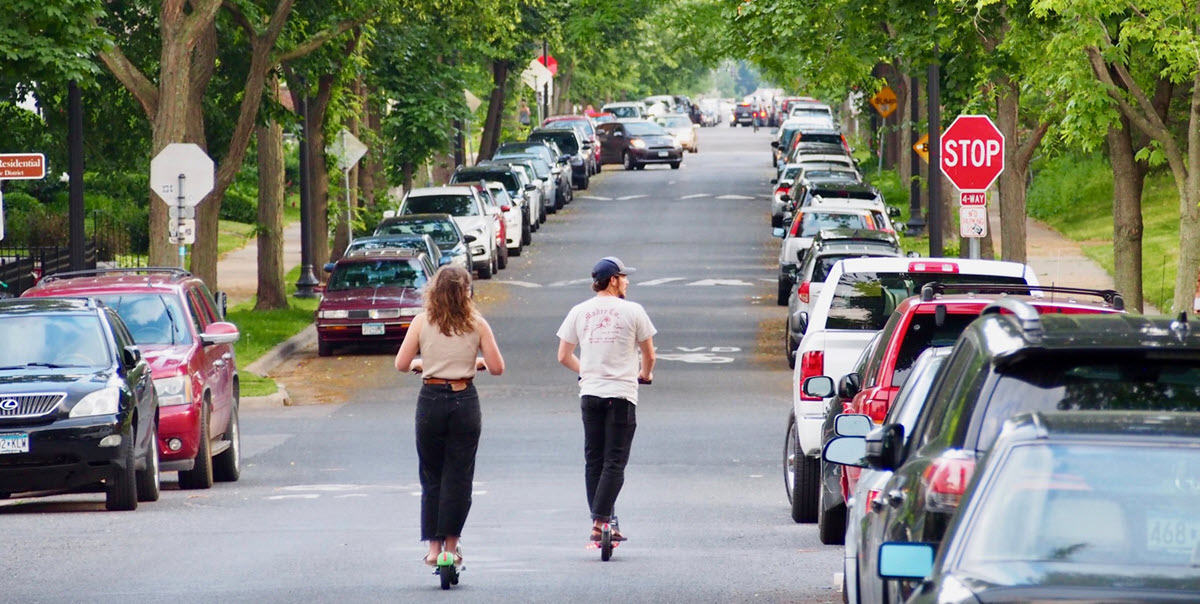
628, 197
653, 282
570, 282
519, 283
711, 282
695, 196
735, 197
596, 197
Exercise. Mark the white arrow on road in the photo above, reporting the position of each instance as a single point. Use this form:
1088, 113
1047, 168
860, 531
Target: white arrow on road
628, 197
706, 282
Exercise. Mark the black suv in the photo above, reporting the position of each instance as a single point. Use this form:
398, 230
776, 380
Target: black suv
77, 406
570, 143
1011, 361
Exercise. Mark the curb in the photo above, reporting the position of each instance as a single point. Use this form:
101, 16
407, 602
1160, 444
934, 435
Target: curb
281, 398
306, 339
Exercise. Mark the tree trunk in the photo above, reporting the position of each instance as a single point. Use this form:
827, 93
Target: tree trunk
562, 90
271, 288
170, 125
492, 124
904, 119
1012, 180
407, 176
319, 173
1128, 180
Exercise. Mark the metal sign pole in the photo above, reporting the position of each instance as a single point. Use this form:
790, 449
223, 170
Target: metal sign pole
179, 222
973, 248
349, 211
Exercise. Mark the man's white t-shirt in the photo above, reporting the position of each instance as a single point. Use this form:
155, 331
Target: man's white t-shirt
607, 330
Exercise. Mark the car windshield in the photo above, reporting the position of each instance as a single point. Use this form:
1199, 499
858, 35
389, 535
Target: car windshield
1096, 381
151, 318
644, 129
501, 196
376, 273
503, 177
520, 149
812, 223
836, 193
1089, 505
677, 121
845, 175
454, 205
565, 140
790, 173
57, 340
442, 231
821, 137
625, 112
866, 300
392, 243
541, 168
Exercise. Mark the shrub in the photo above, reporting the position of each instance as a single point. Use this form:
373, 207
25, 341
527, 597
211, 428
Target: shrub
240, 204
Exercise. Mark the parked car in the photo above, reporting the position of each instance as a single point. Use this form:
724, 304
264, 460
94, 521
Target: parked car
492, 208
803, 175
626, 110
635, 144
798, 237
1010, 361
1077, 506
371, 298
683, 129
77, 404
532, 171
517, 217
935, 318
516, 230
467, 208
587, 133
744, 114
423, 243
857, 300
560, 193
828, 247
451, 242
181, 330
569, 141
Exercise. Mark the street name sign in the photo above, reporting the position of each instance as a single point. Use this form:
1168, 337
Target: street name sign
22, 166
972, 152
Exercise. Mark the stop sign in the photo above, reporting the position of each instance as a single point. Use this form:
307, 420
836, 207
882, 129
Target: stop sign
972, 152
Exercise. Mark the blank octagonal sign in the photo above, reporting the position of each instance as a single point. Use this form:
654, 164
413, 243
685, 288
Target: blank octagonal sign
182, 159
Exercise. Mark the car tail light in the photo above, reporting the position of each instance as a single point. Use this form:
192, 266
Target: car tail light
876, 405
932, 267
782, 190
845, 145
802, 292
872, 495
812, 363
945, 480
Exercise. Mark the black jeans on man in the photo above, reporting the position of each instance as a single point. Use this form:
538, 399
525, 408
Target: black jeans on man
608, 426
448, 426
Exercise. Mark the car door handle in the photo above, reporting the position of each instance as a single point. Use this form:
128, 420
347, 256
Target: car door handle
227, 356
895, 497
218, 363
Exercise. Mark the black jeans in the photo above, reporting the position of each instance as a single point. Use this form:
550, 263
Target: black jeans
608, 426
448, 426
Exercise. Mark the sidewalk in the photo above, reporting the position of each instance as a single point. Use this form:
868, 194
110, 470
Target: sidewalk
237, 271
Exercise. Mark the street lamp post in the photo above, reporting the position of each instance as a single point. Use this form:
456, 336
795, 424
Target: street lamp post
75, 173
306, 284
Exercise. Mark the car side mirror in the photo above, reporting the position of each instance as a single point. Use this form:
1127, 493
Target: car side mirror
564, 158
785, 198
774, 181
893, 212
505, 208
852, 424
800, 254
849, 385
468, 238
900, 227
906, 560
778, 232
329, 266
130, 356
319, 288
846, 451
389, 213
885, 447
530, 187
798, 322
219, 333
913, 254
819, 385
774, 144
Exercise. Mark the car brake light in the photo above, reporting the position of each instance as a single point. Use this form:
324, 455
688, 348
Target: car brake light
782, 190
876, 407
802, 292
845, 145
945, 480
812, 364
872, 495
932, 267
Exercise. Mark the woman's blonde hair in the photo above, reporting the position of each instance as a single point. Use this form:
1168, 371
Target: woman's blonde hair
448, 303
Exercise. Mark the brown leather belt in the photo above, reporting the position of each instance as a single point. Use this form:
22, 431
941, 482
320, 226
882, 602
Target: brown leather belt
455, 385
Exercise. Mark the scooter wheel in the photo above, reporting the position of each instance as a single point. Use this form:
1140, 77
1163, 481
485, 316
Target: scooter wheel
449, 576
606, 543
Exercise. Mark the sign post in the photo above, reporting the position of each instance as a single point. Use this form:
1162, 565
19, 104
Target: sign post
19, 166
972, 157
181, 175
348, 150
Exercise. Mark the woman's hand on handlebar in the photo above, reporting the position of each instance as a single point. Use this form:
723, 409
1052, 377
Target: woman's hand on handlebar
417, 367
480, 365
646, 379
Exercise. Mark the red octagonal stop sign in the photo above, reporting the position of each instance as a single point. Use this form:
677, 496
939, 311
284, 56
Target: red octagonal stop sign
972, 152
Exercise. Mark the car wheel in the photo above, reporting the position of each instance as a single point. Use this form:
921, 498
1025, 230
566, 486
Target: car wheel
675, 165
121, 491
831, 523
804, 491
502, 257
486, 271
785, 291
789, 346
627, 161
641, 166
148, 481
789, 457
526, 233
324, 348
587, 182
201, 474
599, 167
227, 467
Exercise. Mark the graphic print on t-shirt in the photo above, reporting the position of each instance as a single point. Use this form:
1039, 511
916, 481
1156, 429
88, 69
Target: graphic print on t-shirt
602, 326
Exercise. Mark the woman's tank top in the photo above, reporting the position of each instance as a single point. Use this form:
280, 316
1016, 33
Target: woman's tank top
448, 357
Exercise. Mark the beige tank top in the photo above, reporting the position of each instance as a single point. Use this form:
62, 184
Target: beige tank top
448, 357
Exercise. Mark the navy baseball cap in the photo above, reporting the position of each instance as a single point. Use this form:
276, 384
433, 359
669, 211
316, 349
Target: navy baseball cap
610, 266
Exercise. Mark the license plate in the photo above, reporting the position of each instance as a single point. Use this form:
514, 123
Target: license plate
1172, 534
662, 153
372, 329
14, 443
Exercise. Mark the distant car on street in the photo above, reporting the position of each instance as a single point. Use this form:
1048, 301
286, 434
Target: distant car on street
371, 298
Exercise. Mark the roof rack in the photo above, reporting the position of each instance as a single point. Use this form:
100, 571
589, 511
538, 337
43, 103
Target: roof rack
96, 272
930, 290
1024, 314
400, 252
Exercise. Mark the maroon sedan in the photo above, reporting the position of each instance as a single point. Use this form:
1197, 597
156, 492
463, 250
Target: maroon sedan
371, 298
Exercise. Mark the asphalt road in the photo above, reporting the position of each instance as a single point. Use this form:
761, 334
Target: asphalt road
327, 506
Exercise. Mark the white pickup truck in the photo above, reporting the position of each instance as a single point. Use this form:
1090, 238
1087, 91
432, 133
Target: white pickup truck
858, 297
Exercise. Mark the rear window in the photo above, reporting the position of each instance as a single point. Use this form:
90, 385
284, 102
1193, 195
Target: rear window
151, 318
566, 140
1092, 380
812, 223
838, 193
376, 273
503, 177
833, 139
442, 231
924, 333
454, 205
864, 301
625, 112
388, 244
